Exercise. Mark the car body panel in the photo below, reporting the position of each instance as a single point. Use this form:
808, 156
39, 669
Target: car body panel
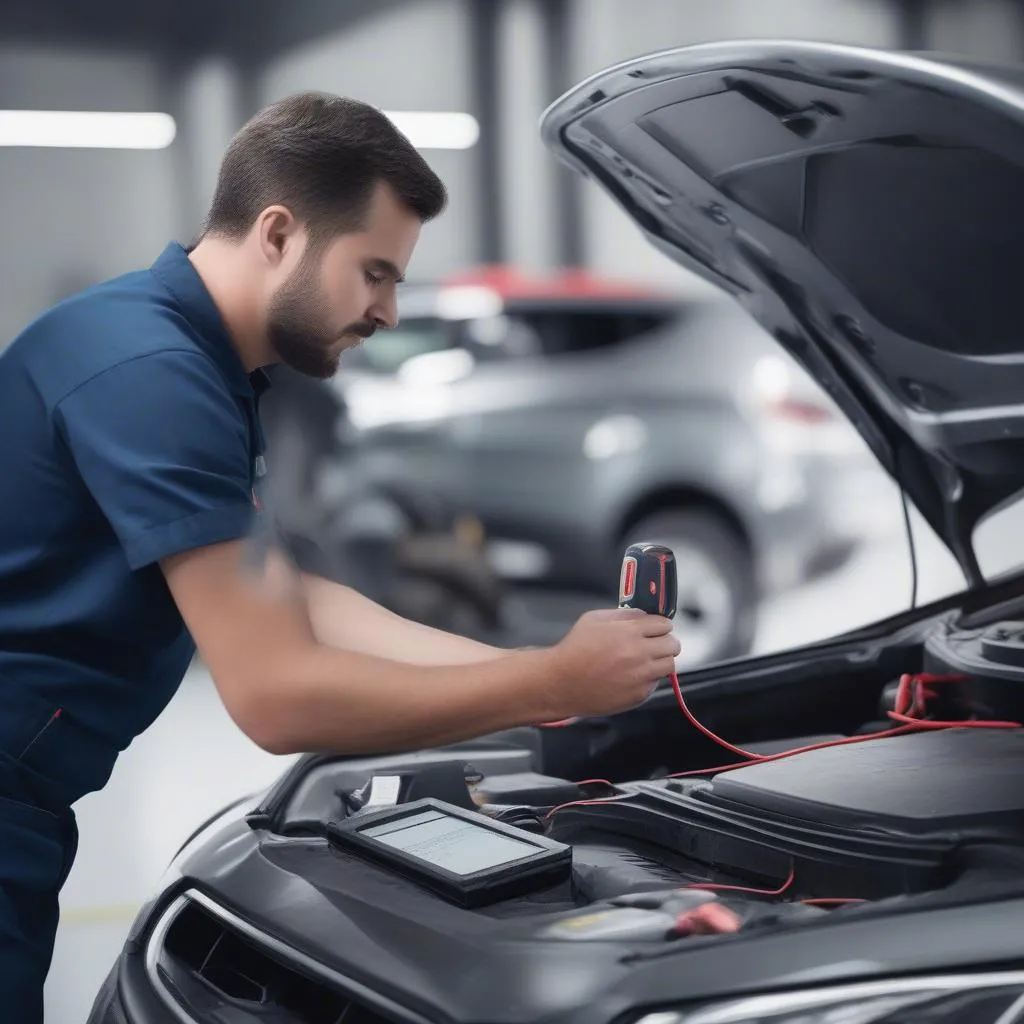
386, 938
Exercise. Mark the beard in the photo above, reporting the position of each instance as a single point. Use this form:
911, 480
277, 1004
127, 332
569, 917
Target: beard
297, 325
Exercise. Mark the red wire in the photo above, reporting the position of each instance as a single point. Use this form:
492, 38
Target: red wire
674, 680
764, 758
711, 887
971, 723
905, 700
587, 803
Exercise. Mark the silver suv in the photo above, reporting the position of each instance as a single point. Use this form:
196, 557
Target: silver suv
572, 415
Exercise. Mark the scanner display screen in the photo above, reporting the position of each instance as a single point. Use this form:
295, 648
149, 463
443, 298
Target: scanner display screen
450, 843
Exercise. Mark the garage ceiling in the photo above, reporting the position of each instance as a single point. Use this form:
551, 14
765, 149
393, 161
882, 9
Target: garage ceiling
250, 30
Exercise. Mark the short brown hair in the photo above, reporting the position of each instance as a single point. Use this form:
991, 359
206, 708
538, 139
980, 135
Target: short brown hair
322, 156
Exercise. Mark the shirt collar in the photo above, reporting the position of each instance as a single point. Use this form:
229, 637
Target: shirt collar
174, 270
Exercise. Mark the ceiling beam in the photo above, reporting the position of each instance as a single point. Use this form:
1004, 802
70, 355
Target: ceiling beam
247, 31
256, 31
912, 20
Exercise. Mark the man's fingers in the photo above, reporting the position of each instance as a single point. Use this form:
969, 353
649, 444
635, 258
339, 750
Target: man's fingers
629, 613
665, 667
656, 625
617, 614
664, 647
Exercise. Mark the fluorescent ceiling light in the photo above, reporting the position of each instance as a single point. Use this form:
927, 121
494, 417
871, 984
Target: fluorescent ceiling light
85, 129
436, 129
102, 129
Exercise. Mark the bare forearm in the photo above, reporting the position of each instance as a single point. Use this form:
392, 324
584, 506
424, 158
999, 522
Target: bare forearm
342, 618
340, 701
291, 693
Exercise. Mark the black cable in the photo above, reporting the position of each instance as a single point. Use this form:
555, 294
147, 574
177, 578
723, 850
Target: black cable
530, 819
913, 550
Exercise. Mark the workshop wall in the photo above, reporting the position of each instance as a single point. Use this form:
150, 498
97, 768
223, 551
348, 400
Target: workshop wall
986, 28
206, 102
73, 216
91, 214
412, 58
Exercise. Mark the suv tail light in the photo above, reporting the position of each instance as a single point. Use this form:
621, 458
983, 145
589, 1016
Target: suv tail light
794, 410
793, 415
783, 392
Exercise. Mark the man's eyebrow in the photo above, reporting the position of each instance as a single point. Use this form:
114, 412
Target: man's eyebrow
388, 269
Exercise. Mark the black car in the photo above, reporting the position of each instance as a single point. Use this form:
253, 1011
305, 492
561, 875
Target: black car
867, 208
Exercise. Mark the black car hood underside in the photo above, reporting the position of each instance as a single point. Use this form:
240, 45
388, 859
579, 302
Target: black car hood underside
867, 208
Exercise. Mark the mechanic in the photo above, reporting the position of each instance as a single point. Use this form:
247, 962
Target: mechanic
131, 467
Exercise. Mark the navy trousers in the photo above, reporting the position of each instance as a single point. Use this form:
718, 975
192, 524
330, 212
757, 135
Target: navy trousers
39, 766
37, 848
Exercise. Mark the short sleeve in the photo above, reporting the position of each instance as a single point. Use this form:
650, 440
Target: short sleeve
162, 445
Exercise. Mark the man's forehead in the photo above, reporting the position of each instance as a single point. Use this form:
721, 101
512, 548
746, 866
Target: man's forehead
384, 243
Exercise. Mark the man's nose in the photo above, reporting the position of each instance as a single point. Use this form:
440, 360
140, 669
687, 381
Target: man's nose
385, 313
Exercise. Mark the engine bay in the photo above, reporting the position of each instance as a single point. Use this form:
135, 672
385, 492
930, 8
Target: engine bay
922, 799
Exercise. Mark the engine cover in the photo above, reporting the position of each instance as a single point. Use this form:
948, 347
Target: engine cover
880, 818
954, 783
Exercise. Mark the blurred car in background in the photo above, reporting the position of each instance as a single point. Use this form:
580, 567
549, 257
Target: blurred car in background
394, 542
573, 415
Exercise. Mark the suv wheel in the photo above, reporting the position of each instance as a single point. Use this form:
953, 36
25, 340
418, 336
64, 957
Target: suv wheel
716, 616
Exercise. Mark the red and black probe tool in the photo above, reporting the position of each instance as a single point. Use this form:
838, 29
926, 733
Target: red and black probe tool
648, 580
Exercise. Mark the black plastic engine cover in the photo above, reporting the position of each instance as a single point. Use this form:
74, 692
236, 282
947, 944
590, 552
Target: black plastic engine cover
952, 783
886, 817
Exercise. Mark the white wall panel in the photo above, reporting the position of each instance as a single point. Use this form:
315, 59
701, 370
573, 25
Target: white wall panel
71, 217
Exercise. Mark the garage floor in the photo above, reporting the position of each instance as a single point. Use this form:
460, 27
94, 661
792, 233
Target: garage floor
194, 761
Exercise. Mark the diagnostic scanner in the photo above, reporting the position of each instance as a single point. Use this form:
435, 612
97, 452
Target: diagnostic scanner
648, 580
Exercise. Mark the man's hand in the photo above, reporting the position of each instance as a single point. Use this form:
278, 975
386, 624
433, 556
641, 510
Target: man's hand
612, 659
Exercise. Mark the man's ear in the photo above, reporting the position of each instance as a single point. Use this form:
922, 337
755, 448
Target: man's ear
277, 232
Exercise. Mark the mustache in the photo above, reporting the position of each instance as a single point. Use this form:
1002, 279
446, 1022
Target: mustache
362, 329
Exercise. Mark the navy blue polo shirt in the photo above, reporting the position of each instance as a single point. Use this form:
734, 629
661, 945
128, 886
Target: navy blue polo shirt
130, 432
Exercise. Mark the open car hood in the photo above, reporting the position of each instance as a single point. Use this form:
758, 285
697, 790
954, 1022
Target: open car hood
867, 208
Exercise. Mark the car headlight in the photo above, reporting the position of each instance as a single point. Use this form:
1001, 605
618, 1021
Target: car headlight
996, 998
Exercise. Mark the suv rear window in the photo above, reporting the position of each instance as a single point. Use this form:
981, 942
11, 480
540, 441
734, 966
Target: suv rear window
566, 331
519, 333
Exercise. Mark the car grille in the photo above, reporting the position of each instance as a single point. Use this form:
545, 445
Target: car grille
202, 958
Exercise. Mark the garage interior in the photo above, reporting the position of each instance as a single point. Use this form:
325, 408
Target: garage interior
77, 215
